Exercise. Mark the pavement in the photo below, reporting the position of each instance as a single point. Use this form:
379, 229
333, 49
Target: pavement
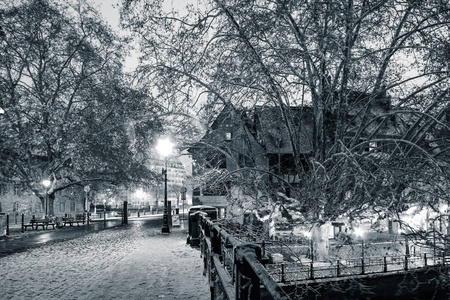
134, 261
18, 241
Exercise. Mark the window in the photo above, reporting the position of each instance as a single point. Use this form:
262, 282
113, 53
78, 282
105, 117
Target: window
217, 160
245, 161
228, 136
17, 191
72, 206
3, 189
274, 164
287, 164
196, 191
62, 207
216, 190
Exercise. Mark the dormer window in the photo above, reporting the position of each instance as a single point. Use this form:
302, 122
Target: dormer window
228, 136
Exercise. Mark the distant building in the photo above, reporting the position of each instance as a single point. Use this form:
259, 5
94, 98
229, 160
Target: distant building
16, 200
259, 138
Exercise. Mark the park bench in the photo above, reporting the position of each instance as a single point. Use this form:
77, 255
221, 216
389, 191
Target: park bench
72, 221
69, 219
35, 223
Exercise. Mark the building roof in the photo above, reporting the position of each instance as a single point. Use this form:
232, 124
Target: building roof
271, 130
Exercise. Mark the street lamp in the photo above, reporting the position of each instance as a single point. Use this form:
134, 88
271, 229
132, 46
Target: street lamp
139, 196
165, 148
360, 232
308, 235
46, 183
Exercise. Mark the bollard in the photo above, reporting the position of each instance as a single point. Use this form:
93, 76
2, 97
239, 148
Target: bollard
338, 268
125, 213
7, 224
23, 223
385, 264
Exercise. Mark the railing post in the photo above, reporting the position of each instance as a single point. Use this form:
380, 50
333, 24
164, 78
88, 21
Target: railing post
283, 278
362, 266
311, 274
406, 262
384, 264
247, 282
338, 268
425, 259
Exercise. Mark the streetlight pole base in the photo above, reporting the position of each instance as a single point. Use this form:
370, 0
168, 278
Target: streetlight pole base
165, 228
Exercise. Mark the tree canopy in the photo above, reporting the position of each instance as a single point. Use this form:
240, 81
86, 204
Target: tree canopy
69, 113
345, 60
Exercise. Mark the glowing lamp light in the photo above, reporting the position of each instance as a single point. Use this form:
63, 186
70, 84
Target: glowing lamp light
164, 147
46, 183
140, 193
359, 232
307, 234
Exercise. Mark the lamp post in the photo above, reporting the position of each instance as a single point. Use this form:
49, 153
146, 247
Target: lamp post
46, 183
164, 148
104, 213
360, 232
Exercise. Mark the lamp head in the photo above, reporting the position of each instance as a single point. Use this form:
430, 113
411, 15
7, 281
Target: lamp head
46, 183
359, 232
164, 147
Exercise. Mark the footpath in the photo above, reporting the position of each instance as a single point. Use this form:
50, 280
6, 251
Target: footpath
18, 241
128, 262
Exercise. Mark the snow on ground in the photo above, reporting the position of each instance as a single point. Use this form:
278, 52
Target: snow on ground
132, 262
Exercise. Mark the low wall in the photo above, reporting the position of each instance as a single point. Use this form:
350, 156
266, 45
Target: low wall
426, 283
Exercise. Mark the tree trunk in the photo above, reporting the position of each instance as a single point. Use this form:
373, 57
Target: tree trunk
51, 201
42, 198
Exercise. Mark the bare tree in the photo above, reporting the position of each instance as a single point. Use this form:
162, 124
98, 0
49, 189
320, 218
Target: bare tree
374, 72
68, 115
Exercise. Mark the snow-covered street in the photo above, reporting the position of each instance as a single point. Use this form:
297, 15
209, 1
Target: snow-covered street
127, 262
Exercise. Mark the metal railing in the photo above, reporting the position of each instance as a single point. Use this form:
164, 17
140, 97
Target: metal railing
294, 272
234, 269
238, 269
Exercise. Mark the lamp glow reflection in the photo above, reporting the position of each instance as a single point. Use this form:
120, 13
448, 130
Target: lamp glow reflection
165, 147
